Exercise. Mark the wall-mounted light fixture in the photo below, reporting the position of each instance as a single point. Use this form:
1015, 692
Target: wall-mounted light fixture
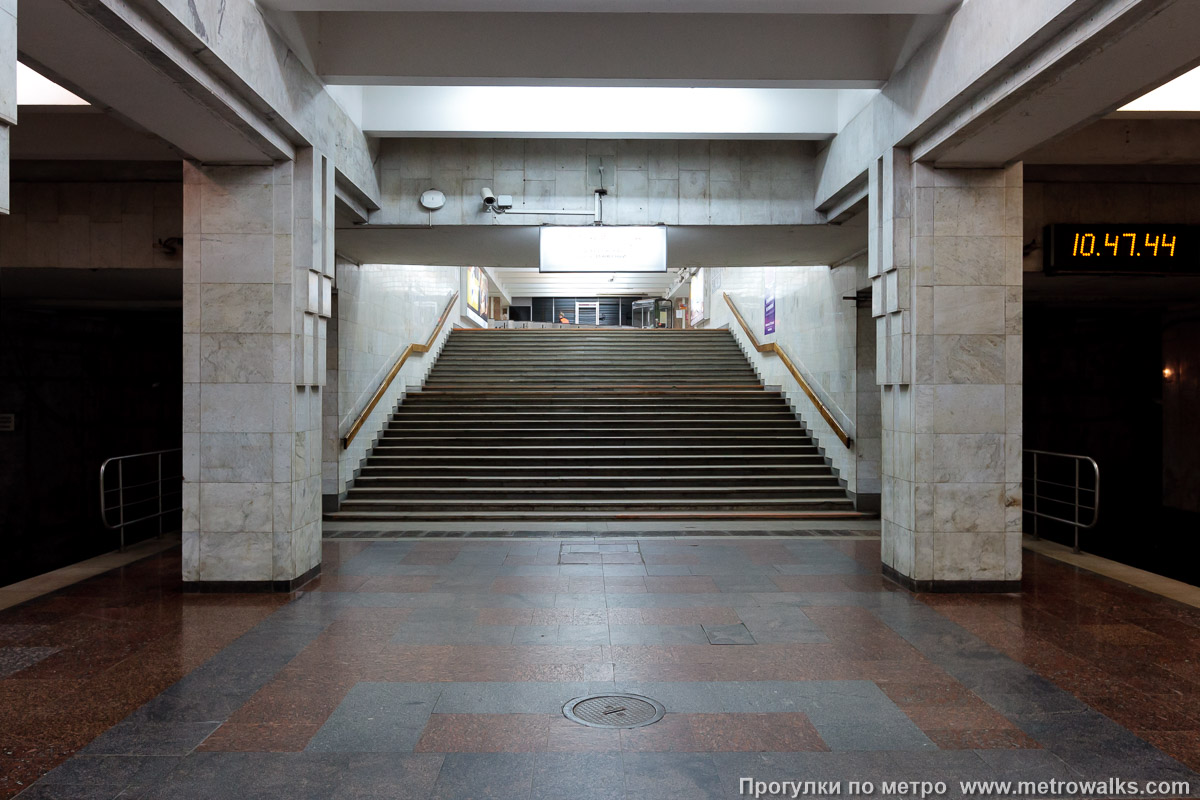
1168, 374
433, 200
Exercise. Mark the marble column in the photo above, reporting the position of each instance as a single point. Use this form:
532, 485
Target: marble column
945, 266
8, 91
258, 272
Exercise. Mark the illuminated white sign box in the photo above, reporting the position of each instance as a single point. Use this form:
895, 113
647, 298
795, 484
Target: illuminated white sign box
595, 249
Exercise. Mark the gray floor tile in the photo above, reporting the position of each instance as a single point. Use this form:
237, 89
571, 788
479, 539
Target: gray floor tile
634, 634
580, 635
1091, 743
249, 776
485, 776
579, 776
388, 776
685, 697
111, 771
780, 625
378, 718
623, 570
579, 600
668, 569
821, 767
500, 697
536, 634
142, 738
670, 776
728, 634
843, 736
71, 791
452, 633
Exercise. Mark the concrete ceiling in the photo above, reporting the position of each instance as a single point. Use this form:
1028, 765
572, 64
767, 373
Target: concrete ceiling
77, 52
83, 133
604, 49
629, 6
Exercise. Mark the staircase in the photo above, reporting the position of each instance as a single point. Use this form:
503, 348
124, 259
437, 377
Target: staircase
588, 424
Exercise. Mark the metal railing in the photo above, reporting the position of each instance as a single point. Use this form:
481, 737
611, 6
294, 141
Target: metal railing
1067, 495
771, 347
142, 491
415, 347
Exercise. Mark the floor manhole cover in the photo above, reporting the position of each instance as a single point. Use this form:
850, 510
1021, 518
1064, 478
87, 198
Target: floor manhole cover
614, 711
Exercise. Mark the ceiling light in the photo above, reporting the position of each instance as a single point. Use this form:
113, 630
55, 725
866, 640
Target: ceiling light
34, 89
1181, 94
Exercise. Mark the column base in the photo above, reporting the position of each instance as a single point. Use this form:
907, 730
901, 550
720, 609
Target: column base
950, 587
250, 587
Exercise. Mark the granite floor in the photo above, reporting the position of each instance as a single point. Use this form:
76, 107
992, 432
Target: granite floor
438, 669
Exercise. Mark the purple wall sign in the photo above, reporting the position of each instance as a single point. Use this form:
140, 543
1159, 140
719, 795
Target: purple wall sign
769, 302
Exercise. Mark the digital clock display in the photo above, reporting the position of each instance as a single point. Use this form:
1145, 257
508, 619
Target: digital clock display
1122, 249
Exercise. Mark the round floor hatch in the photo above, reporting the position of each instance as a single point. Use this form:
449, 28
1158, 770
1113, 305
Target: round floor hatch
614, 711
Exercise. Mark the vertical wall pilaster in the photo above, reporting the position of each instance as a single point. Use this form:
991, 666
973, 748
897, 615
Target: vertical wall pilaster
946, 291
8, 92
255, 306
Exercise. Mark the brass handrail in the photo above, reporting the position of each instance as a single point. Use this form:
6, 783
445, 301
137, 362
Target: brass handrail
415, 347
772, 347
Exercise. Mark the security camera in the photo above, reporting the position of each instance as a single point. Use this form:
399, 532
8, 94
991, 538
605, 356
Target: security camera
489, 198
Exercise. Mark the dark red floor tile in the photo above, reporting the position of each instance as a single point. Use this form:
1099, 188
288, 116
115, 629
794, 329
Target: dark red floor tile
565, 736
484, 733
260, 737
764, 733
399, 583
671, 734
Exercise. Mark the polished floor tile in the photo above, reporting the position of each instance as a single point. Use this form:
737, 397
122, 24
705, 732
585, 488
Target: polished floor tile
428, 668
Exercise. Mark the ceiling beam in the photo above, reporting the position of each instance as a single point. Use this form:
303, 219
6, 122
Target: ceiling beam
815, 51
123, 62
1091, 70
510, 246
629, 6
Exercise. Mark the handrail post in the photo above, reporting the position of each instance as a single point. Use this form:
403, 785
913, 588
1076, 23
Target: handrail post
121, 499
1076, 505
160, 508
1036, 535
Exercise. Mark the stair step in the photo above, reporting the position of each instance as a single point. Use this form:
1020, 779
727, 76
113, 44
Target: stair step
651, 456
518, 470
481, 504
598, 434
669, 480
486, 495
570, 516
584, 424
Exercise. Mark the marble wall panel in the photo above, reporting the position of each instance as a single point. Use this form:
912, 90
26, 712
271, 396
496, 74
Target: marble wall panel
953, 484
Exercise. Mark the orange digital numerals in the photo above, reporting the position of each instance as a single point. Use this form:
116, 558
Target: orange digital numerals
1086, 243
